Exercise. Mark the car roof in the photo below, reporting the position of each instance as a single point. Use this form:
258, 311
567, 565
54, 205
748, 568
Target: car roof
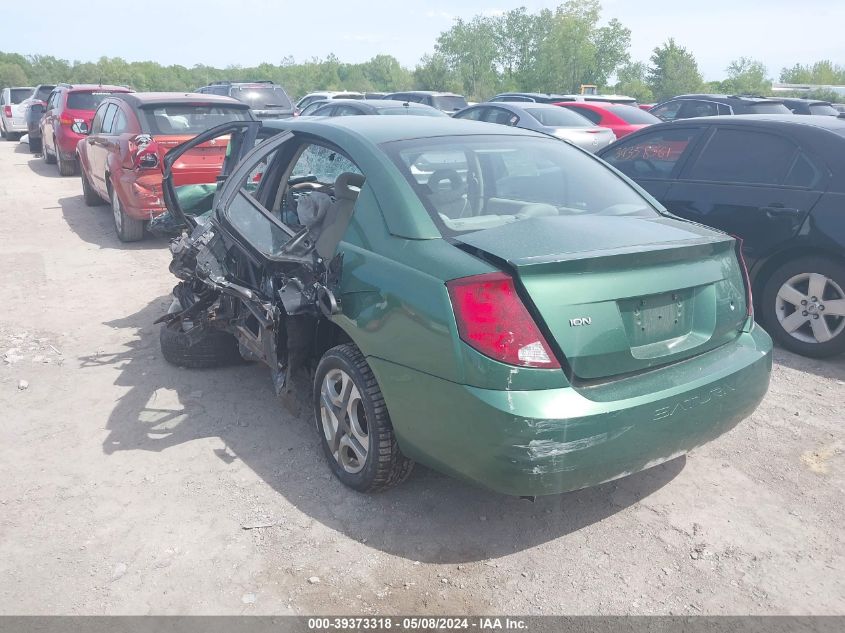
110, 87
716, 97
145, 98
377, 129
832, 123
519, 105
380, 103
433, 93
807, 101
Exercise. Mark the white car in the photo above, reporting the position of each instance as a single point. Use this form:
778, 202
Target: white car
12, 112
325, 96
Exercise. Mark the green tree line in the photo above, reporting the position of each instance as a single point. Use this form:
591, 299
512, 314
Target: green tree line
551, 50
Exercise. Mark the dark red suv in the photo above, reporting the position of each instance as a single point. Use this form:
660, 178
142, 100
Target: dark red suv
69, 104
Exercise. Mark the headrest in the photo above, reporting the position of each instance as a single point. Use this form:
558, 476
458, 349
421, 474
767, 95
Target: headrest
312, 208
344, 182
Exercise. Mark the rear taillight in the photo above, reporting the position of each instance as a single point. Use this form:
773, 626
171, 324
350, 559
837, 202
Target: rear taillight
493, 320
7, 110
64, 119
749, 299
144, 152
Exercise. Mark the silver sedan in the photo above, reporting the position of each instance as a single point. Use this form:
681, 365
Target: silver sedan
541, 117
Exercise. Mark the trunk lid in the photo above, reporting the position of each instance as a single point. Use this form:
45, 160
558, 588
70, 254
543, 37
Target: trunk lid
201, 164
623, 294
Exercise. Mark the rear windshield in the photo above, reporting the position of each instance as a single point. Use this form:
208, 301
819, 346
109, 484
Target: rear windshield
448, 104
189, 118
632, 114
411, 110
87, 100
19, 94
768, 108
263, 97
472, 183
43, 92
559, 117
823, 109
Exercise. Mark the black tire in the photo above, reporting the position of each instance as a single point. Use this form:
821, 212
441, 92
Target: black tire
66, 167
835, 272
385, 466
50, 159
92, 198
215, 349
127, 229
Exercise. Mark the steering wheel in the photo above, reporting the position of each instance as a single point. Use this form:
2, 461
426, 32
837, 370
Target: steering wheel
456, 185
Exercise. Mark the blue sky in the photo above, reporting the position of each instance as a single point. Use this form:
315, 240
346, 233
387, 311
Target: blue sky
247, 32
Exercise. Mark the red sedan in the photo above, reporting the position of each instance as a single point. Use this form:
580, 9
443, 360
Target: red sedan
622, 119
120, 156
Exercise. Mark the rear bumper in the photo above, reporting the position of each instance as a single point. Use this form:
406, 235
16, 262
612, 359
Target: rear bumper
66, 142
15, 125
140, 195
558, 440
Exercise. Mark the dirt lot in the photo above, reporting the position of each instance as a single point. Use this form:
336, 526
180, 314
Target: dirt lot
128, 486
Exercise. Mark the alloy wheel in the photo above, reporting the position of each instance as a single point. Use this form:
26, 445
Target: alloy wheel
810, 307
116, 211
344, 421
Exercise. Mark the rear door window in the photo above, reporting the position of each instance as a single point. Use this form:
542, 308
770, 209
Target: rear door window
500, 116
108, 118
742, 156
667, 111
592, 115
656, 155
805, 172
693, 109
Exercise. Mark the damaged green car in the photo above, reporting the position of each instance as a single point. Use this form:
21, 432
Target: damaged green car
491, 302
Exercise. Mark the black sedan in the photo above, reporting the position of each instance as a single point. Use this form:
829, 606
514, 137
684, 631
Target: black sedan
777, 182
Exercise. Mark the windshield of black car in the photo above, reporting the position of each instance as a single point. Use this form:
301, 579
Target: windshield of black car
19, 94
86, 100
632, 114
189, 118
824, 109
472, 183
558, 117
415, 110
263, 97
775, 107
449, 103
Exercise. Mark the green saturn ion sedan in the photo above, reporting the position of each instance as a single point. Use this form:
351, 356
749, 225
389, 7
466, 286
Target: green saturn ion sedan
491, 302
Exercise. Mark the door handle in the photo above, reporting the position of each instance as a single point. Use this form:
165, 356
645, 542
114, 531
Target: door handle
779, 210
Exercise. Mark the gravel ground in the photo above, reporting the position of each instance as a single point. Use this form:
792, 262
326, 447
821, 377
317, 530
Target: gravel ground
128, 486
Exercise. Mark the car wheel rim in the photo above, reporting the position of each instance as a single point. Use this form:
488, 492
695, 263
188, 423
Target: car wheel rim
810, 307
344, 421
118, 216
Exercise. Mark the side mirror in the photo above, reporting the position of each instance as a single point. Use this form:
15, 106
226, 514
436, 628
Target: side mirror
80, 127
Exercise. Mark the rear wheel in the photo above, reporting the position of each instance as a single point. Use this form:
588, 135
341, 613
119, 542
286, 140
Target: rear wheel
49, 158
804, 306
66, 167
353, 423
127, 229
92, 198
